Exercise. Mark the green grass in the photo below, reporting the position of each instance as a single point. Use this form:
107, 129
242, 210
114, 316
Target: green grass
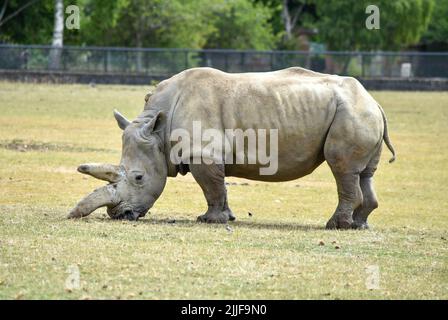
275, 254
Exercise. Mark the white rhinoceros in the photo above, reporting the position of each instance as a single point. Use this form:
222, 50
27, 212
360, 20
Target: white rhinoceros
315, 117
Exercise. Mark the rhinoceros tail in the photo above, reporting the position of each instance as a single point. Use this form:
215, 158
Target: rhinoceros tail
386, 136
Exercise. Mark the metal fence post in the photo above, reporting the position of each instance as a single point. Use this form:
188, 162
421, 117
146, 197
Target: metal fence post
105, 58
125, 65
362, 66
146, 62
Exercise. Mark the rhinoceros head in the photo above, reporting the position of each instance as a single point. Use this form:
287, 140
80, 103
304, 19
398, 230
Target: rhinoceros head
137, 182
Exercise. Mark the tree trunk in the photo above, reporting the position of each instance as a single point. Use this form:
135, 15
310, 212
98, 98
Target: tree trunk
290, 18
58, 36
286, 17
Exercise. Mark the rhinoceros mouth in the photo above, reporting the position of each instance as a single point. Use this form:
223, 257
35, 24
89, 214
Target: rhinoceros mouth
118, 212
123, 212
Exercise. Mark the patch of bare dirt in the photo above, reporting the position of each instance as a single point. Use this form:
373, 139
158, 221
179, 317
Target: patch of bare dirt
24, 146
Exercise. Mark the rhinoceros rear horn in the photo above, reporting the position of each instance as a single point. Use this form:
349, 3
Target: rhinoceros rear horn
104, 196
121, 120
102, 171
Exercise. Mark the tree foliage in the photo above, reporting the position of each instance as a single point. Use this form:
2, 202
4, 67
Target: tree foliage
32, 25
238, 24
437, 32
341, 25
288, 16
176, 23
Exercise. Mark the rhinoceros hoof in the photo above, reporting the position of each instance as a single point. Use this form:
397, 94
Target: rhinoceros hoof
360, 225
215, 217
339, 223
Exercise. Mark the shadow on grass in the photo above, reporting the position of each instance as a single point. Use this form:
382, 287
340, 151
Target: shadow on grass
186, 222
237, 224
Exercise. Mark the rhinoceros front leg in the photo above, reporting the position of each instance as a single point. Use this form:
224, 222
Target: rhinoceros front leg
211, 180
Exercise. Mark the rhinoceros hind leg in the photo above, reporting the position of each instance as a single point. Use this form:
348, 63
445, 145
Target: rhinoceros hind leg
211, 180
350, 197
353, 144
370, 201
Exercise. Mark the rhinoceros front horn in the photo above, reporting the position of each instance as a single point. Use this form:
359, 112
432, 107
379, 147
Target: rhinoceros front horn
102, 171
104, 196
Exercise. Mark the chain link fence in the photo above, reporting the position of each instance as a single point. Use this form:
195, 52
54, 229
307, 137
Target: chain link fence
166, 62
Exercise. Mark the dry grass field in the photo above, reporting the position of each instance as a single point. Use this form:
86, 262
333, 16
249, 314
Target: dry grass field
282, 251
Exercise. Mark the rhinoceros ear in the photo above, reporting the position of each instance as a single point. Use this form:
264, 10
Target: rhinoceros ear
121, 120
153, 125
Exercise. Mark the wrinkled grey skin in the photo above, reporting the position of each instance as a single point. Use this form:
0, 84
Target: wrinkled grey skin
319, 118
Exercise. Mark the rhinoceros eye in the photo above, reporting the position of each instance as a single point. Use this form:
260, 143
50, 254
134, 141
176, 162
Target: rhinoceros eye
137, 176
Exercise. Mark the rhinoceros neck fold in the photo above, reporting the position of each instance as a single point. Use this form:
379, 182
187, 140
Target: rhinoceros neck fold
171, 168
